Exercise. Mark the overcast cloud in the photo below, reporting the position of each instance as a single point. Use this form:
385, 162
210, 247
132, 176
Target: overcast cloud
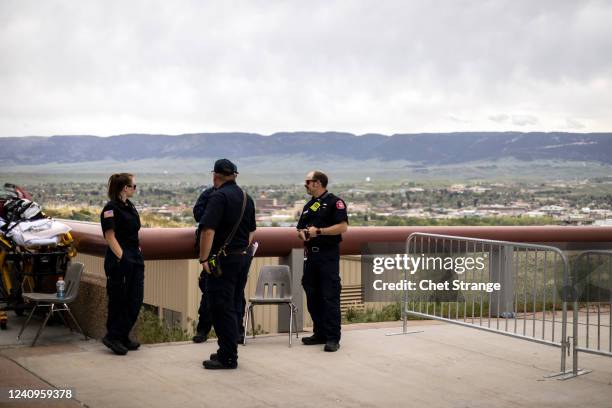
112, 67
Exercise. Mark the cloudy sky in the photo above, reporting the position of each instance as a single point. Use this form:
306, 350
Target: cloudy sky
112, 67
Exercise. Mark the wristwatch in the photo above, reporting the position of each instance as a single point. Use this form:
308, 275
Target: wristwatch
319, 231
203, 261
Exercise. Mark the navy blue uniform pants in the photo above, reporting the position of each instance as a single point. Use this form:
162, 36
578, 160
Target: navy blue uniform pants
125, 290
205, 316
321, 282
226, 297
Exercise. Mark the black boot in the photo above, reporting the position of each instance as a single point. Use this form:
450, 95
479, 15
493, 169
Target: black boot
218, 365
331, 346
312, 340
115, 345
200, 338
130, 345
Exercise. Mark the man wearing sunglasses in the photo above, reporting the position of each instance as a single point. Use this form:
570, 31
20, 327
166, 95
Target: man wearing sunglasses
323, 221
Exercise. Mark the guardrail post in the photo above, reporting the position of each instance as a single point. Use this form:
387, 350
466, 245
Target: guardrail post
501, 271
295, 261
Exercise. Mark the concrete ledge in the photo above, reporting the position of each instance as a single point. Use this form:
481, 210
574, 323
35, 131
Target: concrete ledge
90, 307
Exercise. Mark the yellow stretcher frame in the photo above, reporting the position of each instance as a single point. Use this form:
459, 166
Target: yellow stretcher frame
8, 279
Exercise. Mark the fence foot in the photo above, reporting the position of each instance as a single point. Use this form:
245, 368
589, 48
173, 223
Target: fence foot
402, 333
566, 375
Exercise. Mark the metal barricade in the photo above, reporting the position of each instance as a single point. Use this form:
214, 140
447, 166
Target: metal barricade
515, 289
592, 314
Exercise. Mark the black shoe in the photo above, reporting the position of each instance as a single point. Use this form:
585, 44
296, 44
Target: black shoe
200, 338
240, 340
218, 365
214, 356
331, 346
312, 340
115, 345
130, 345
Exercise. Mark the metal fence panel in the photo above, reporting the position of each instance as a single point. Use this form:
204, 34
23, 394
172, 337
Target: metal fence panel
533, 281
592, 314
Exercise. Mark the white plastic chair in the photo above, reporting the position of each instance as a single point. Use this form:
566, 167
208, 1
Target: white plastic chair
273, 288
55, 304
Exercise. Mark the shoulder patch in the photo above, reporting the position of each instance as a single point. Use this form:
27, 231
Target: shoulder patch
108, 214
340, 205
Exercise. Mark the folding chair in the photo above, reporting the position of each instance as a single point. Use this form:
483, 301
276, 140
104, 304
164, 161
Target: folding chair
271, 278
55, 304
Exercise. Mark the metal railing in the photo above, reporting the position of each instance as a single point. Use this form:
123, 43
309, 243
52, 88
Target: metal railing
515, 289
177, 243
592, 314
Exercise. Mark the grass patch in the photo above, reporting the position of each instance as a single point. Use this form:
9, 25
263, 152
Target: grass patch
152, 329
388, 313
258, 330
462, 310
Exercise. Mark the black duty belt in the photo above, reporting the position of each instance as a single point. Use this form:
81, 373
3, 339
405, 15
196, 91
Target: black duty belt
235, 252
315, 249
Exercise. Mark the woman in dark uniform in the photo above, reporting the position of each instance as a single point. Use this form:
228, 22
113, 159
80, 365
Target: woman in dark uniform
123, 263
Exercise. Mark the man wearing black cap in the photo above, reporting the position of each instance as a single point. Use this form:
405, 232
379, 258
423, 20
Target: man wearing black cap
227, 229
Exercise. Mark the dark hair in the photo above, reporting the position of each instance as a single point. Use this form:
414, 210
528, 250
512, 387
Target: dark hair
116, 182
320, 177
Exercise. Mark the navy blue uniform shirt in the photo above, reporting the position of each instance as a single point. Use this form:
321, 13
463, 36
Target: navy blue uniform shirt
198, 211
200, 205
325, 211
123, 218
222, 212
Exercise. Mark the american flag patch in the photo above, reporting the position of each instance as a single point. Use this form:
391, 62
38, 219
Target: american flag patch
108, 214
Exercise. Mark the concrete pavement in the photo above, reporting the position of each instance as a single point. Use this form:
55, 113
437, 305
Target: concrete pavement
444, 366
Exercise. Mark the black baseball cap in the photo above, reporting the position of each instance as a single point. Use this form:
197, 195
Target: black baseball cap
225, 167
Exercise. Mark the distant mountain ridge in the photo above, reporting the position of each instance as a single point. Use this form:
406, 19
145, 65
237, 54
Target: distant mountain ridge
425, 148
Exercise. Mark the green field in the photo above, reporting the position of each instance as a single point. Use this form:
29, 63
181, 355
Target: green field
291, 169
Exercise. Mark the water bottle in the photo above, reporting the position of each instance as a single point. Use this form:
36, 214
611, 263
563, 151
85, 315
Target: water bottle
61, 287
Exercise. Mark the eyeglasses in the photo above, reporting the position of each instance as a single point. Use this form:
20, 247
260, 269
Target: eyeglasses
309, 181
132, 186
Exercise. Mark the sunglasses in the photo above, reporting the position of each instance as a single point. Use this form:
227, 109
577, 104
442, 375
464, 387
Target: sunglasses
131, 186
307, 182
